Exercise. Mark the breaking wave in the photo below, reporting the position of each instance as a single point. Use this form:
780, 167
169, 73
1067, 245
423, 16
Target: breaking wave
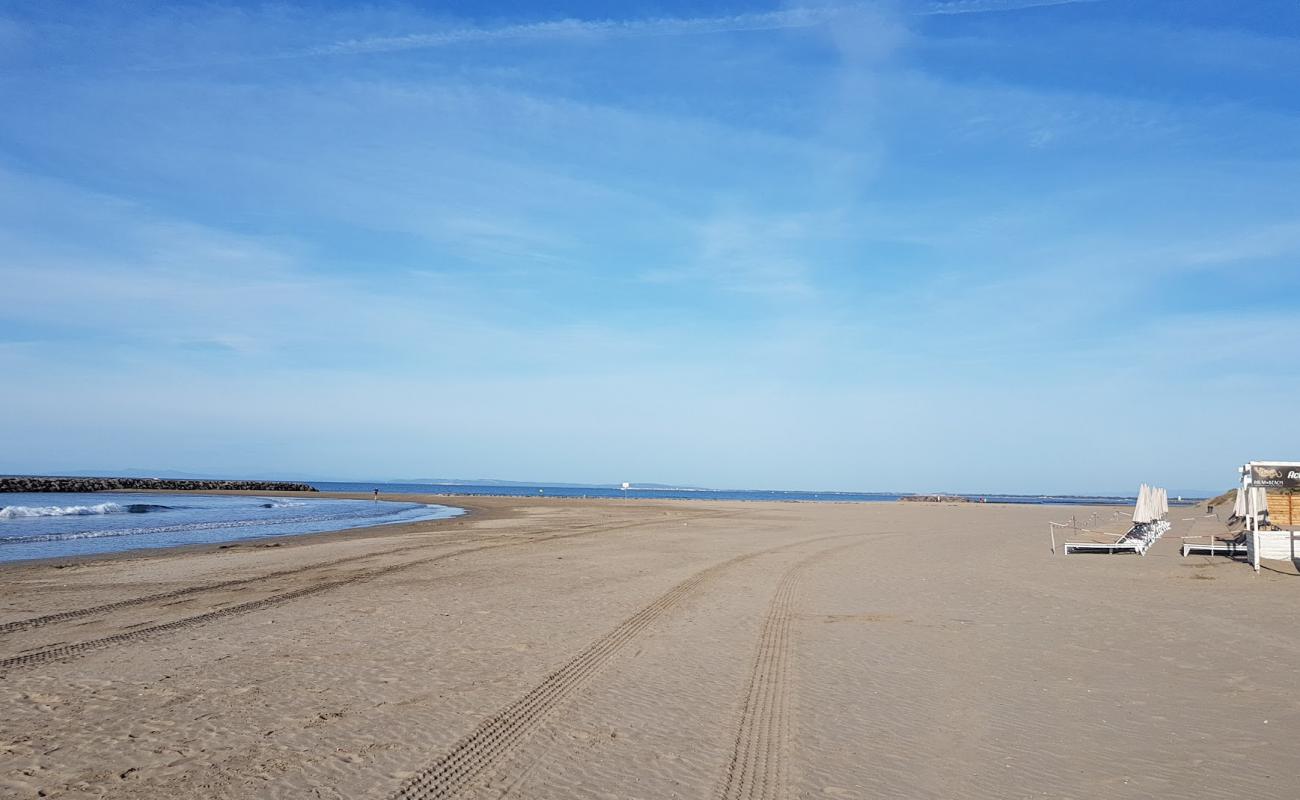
280, 502
18, 512
37, 530
194, 526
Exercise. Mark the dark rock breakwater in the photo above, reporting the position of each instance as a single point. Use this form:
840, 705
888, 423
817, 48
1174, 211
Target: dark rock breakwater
28, 483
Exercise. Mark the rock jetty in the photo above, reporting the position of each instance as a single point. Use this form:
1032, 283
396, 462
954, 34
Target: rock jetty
27, 483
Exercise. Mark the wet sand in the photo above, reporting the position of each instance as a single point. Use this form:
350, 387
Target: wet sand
652, 649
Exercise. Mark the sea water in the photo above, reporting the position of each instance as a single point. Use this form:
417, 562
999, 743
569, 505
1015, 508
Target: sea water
662, 493
47, 525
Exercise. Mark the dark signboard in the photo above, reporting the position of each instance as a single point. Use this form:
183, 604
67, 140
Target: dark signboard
1275, 476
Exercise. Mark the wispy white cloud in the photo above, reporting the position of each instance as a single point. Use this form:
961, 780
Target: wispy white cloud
762, 255
119, 281
995, 6
599, 29
573, 28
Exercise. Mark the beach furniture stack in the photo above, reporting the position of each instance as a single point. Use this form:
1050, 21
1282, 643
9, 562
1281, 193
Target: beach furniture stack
1149, 523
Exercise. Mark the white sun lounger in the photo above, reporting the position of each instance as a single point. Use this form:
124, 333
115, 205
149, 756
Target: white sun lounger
1101, 547
1216, 549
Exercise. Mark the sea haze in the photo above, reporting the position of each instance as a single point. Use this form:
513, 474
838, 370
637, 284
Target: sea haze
48, 525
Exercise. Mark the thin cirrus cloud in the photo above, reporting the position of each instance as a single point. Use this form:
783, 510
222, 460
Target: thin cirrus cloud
995, 6
258, 44
570, 29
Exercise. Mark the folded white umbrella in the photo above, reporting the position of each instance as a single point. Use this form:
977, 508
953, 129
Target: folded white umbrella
1257, 504
1143, 511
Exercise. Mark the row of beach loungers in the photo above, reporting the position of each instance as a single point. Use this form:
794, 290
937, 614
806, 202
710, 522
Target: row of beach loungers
1141, 536
1138, 540
1149, 524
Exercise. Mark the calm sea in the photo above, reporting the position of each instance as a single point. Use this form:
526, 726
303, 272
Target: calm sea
545, 490
48, 525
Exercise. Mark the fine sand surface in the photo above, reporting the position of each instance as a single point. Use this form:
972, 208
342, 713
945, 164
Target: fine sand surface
627, 649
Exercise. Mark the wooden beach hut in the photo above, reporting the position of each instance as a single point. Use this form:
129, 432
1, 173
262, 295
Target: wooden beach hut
1272, 510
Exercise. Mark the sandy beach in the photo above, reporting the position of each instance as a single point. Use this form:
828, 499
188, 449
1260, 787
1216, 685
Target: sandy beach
652, 649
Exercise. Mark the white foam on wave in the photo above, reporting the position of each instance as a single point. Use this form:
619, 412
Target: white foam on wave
17, 512
284, 502
187, 528
360, 518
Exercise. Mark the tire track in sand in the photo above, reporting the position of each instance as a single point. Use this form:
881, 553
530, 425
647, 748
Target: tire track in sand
173, 594
67, 651
79, 613
757, 767
497, 735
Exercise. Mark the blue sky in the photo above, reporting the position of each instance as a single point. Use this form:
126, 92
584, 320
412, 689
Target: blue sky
969, 246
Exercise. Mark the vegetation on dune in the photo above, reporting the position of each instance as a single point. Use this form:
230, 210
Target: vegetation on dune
1228, 497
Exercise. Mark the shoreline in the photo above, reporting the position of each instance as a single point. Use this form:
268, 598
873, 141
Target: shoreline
495, 507
271, 541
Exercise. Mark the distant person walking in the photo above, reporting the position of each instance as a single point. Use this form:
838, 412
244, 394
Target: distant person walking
376, 495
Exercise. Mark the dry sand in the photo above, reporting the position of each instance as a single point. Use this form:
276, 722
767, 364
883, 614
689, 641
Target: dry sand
622, 649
